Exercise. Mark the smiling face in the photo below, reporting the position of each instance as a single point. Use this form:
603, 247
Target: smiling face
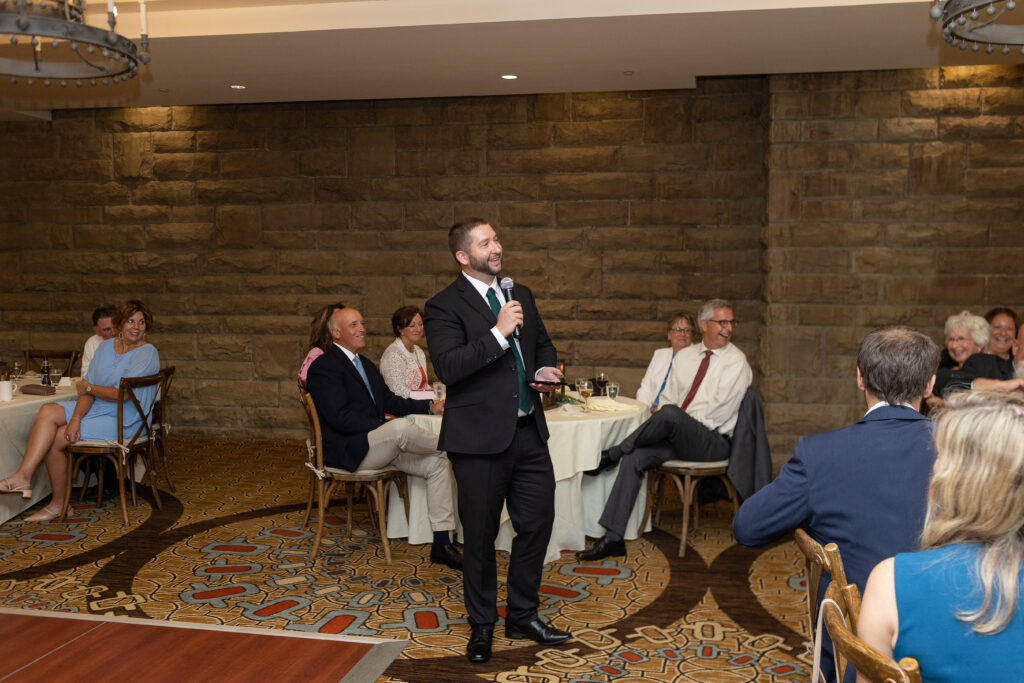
718, 330
483, 260
960, 345
412, 332
347, 329
104, 328
680, 334
1003, 335
134, 328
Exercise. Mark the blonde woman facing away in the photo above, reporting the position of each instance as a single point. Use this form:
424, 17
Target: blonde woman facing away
955, 605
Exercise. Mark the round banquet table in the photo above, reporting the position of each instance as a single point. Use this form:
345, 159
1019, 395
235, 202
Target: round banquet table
575, 443
16, 418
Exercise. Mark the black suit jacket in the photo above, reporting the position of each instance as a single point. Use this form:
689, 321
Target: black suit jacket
482, 387
347, 413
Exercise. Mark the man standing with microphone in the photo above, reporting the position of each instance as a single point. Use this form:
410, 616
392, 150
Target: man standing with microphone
494, 432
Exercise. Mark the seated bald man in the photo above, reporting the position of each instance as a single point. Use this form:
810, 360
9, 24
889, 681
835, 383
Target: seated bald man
351, 399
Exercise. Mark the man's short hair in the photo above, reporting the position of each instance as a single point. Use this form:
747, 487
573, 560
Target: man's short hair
458, 235
896, 363
707, 311
102, 312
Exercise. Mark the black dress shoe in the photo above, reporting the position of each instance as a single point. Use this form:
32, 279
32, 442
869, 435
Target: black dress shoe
537, 630
478, 649
601, 549
609, 458
446, 554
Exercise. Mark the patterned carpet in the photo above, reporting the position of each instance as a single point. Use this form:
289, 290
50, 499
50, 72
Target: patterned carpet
228, 548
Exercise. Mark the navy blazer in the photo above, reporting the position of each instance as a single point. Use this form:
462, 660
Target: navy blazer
347, 413
863, 487
482, 400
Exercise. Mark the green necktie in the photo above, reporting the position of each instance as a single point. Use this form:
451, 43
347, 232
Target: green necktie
525, 400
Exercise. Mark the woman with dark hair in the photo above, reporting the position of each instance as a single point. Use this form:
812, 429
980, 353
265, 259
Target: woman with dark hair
403, 363
955, 604
93, 416
319, 336
1003, 342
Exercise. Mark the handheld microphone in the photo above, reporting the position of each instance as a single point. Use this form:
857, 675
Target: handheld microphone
506, 285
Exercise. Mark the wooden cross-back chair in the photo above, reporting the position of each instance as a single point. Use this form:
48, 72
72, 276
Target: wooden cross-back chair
869, 662
34, 359
324, 480
123, 452
826, 558
161, 426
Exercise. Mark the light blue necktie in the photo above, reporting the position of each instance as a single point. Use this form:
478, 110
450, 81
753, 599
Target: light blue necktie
525, 400
362, 373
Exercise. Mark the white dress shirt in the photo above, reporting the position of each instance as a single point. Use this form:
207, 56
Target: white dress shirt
655, 375
91, 344
717, 401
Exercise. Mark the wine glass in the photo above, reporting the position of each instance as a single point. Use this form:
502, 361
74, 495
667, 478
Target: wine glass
586, 389
600, 381
612, 390
16, 370
439, 391
55, 374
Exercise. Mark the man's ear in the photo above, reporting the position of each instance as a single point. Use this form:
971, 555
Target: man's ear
860, 381
462, 257
928, 389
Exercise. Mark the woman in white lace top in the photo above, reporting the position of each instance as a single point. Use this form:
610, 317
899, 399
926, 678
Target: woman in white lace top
403, 364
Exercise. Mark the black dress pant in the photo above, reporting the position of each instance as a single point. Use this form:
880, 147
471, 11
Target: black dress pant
521, 477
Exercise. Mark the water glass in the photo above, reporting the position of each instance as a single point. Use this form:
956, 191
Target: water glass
55, 374
612, 390
439, 390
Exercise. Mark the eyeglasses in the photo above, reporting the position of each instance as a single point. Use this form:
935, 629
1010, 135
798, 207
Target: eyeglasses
723, 323
687, 330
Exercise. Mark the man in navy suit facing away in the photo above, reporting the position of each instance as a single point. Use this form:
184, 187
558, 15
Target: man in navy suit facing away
864, 486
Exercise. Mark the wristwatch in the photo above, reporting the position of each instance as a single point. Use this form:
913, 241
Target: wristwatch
88, 388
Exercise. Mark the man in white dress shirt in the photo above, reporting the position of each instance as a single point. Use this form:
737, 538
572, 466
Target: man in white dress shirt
103, 329
696, 419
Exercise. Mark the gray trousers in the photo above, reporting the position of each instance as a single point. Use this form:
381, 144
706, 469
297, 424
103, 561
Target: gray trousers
670, 434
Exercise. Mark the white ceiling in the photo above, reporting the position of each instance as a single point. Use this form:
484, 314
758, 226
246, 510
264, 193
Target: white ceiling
307, 50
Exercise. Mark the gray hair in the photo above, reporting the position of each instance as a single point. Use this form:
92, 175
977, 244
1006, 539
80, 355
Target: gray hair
974, 325
896, 363
707, 311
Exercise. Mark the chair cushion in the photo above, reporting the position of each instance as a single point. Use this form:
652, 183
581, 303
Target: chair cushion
694, 465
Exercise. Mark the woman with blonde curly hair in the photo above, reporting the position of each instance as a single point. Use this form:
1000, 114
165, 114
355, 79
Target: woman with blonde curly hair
954, 605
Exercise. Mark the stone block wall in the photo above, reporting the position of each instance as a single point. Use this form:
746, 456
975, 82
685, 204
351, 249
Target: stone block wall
893, 198
234, 223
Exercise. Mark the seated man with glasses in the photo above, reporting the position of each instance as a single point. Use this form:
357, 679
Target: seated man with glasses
695, 421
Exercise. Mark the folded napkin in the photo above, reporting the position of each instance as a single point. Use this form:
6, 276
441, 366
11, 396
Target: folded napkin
37, 389
603, 404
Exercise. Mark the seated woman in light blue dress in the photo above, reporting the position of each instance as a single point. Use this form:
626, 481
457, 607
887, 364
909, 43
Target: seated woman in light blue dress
955, 605
93, 416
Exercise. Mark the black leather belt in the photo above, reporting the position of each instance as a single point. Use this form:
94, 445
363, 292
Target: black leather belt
524, 421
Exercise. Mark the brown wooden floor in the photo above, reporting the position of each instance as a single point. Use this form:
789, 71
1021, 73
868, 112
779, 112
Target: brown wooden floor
36, 646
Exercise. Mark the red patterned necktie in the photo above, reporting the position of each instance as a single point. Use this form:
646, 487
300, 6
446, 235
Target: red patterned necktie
697, 379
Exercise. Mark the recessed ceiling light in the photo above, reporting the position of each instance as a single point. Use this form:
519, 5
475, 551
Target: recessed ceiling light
510, 77
628, 73
238, 87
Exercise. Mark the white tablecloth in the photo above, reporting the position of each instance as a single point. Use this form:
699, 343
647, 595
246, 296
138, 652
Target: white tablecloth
575, 445
16, 418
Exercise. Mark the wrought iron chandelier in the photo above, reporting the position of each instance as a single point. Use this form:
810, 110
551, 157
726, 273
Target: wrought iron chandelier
975, 23
49, 42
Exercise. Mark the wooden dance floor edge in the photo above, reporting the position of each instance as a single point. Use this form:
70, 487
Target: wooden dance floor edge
60, 646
